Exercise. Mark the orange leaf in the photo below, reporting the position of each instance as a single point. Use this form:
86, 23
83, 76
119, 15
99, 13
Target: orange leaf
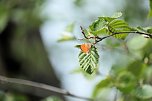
85, 47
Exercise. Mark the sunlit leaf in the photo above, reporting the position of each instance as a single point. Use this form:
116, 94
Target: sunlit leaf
70, 27
117, 15
89, 61
67, 34
66, 37
98, 27
101, 85
143, 92
86, 32
107, 19
117, 26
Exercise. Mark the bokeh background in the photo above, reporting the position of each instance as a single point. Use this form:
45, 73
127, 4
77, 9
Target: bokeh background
29, 47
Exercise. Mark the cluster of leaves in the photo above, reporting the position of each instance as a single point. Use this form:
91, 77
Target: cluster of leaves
107, 27
131, 78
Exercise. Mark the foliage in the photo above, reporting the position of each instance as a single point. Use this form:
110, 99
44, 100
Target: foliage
128, 77
107, 27
150, 11
89, 61
143, 92
67, 34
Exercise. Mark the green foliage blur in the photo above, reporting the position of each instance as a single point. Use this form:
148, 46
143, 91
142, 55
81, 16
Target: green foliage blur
22, 53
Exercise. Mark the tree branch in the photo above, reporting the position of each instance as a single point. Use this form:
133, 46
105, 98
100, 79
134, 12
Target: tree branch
125, 32
4, 80
98, 39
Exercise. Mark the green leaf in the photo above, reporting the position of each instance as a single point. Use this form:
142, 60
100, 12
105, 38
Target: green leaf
67, 34
117, 26
107, 19
101, 85
149, 29
66, 37
86, 32
78, 46
137, 68
140, 29
89, 61
143, 92
125, 81
70, 28
98, 27
150, 9
117, 15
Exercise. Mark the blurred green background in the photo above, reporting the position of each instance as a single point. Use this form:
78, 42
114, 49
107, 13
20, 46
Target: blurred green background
29, 30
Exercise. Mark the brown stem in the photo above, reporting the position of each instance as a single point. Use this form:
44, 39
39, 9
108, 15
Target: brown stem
98, 39
125, 32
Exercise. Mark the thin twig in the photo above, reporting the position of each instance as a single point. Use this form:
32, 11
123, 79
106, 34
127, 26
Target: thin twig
125, 32
4, 80
85, 34
98, 39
